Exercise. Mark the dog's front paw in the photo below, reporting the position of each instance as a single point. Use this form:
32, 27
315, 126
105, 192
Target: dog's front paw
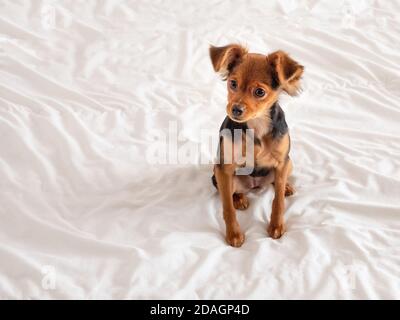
276, 231
235, 238
240, 201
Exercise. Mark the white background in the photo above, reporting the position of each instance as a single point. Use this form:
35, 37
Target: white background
83, 214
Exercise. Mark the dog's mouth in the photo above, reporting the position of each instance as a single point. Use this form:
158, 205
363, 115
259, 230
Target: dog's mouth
241, 113
237, 119
242, 118
248, 115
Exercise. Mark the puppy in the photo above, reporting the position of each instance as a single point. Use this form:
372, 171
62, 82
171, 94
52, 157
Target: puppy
254, 83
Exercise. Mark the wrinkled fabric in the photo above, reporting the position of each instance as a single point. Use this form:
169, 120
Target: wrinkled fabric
85, 214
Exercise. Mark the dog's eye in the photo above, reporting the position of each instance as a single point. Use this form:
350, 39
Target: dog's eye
259, 92
233, 84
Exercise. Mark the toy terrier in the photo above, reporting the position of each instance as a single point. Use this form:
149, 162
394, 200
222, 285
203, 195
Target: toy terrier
254, 83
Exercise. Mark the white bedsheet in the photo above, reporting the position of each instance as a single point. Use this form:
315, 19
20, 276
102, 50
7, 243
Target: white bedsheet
83, 214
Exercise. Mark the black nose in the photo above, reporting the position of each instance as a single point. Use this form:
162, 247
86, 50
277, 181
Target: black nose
237, 110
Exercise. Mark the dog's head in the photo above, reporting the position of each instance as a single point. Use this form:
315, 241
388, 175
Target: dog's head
254, 80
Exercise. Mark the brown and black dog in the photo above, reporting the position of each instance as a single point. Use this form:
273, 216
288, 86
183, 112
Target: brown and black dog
254, 83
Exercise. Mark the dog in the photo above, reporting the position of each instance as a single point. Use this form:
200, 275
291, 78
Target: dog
254, 83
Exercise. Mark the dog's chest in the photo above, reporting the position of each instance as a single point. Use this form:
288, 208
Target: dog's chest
264, 152
263, 142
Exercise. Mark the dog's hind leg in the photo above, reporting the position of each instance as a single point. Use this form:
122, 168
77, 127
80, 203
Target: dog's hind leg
241, 186
289, 189
240, 201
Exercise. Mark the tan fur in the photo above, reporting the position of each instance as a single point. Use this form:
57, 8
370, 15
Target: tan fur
272, 152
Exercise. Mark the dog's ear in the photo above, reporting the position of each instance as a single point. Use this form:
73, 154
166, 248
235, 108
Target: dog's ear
286, 71
224, 59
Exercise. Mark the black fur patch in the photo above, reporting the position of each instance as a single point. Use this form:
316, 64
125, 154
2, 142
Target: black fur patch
274, 80
260, 172
274, 76
232, 125
278, 123
214, 181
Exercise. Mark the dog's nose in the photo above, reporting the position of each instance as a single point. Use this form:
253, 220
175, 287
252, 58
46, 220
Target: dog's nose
237, 110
